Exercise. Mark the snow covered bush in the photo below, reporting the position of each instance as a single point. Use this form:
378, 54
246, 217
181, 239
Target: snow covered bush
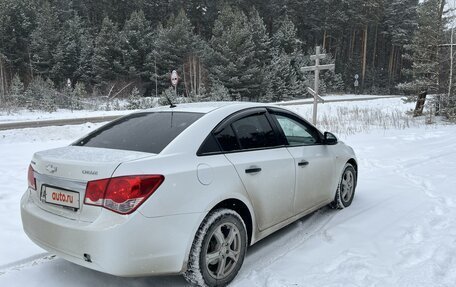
218, 92
40, 95
448, 107
167, 96
134, 100
15, 98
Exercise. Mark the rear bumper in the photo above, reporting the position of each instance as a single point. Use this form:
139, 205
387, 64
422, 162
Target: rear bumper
120, 245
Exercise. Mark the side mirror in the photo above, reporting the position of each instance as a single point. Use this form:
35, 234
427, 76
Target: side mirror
329, 139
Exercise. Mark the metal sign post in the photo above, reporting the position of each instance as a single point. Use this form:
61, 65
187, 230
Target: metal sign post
317, 69
174, 80
356, 83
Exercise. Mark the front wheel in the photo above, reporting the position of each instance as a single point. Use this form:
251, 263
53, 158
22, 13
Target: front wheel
218, 249
346, 188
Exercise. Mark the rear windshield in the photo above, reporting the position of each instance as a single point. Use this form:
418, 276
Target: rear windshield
144, 132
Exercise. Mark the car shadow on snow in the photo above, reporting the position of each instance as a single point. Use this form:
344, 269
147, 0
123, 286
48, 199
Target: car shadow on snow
258, 256
59, 270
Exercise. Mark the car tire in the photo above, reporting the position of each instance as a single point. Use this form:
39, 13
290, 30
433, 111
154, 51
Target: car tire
218, 249
346, 188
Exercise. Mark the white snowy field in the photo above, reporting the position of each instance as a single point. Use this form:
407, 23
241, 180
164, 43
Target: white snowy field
24, 115
30, 116
399, 231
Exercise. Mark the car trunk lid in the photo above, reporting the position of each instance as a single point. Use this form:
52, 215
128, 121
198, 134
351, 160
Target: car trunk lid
62, 175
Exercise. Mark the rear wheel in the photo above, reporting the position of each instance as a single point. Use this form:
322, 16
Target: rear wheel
218, 250
346, 188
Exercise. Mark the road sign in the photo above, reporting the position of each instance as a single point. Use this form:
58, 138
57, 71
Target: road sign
174, 78
356, 83
356, 76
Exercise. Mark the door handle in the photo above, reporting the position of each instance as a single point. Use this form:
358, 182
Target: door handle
303, 163
253, 170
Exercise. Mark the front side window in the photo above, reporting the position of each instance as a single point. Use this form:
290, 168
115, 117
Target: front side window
296, 132
145, 132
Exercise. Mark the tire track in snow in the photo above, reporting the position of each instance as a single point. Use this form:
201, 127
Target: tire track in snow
270, 249
416, 249
26, 262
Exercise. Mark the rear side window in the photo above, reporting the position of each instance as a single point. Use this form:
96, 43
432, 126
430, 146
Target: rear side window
227, 139
144, 132
254, 132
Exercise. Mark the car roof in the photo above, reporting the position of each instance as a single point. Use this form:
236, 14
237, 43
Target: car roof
206, 107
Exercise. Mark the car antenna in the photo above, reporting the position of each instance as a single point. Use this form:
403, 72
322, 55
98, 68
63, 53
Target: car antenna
171, 105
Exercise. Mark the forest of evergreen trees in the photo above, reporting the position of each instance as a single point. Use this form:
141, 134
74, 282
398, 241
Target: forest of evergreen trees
222, 49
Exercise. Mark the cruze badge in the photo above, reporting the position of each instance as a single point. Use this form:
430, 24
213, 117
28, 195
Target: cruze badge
50, 168
90, 172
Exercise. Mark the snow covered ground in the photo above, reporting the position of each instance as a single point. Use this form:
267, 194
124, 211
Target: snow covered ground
25, 115
399, 231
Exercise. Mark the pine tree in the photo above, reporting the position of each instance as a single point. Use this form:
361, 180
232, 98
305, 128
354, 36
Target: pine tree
134, 100
40, 94
218, 93
285, 36
401, 23
80, 90
107, 58
85, 72
400, 18
279, 71
44, 40
16, 94
206, 43
234, 50
71, 52
178, 48
262, 52
423, 51
284, 81
260, 37
17, 22
201, 13
136, 43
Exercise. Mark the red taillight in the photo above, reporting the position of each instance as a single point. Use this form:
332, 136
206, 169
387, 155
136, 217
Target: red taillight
31, 178
122, 194
95, 191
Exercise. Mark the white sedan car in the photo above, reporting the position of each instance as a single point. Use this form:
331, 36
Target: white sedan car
183, 190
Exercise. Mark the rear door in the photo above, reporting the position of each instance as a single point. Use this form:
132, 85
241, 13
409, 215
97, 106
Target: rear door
264, 165
313, 160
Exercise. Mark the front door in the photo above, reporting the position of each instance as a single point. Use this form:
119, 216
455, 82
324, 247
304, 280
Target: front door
264, 165
314, 174
314, 162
